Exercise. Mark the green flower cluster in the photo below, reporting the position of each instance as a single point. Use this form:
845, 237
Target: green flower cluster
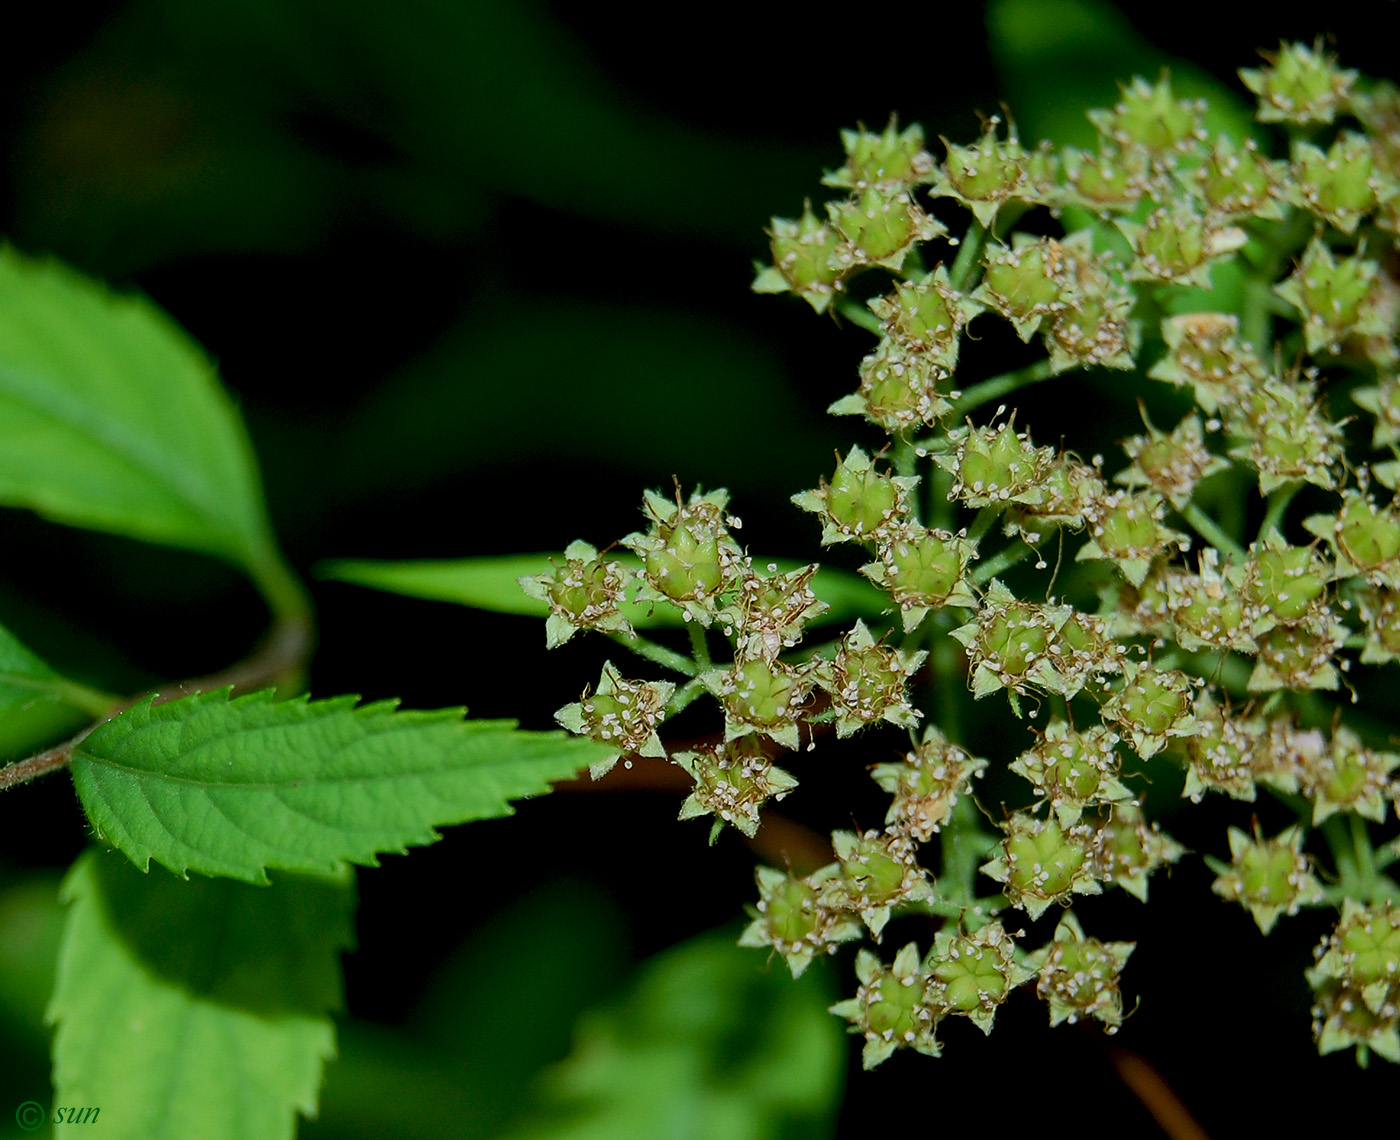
1231, 574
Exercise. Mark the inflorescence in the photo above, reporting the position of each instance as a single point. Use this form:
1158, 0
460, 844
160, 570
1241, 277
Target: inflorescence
1264, 293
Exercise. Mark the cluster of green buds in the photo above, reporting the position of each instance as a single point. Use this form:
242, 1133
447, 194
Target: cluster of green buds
1196, 614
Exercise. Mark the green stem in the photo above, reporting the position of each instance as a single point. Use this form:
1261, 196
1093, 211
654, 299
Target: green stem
684, 696
1361, 847
969, 251
699, 650
667, 658
1002, 560
983, 523
858, 314
1278, 501
998, 386
1206, 527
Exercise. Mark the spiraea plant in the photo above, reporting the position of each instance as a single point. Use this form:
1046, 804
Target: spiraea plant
1213, 609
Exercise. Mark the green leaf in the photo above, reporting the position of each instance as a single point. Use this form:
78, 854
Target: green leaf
196, 1008
112, 418
37, 705
710, 1046
490, 584
234, 787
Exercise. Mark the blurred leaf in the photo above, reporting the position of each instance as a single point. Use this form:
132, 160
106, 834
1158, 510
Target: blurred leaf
499, 1009
31, 922
233, 787
112, 418
196, 1008
1058, 58
36, 703
710, 1044
490, 583
658, 391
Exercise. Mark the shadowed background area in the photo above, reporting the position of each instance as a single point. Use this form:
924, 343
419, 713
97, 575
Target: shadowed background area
477, 273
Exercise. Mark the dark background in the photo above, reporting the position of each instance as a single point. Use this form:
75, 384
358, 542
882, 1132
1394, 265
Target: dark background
477, 274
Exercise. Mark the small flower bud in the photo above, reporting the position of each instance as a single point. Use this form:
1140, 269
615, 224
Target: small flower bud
803, 251
1301, 85
584, 593
791, 918
621, 714
926, 784
972, 974
891, 1009
1269, 877
733, 781
1153, 707
867, 682
1041, 862
860, 504
1078, 976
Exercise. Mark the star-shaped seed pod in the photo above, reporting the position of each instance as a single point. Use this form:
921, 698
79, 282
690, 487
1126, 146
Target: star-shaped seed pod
1344, 775
1341, 184
1365, 539
1171, 464
1072, 770
1236, 182
1269, 877
1125, 528
1228, 752
769, 611
621, 714
881, 224
891, 159
733, 780
802, 249
689, 559
791, 918
1127, 849
1022, 281
1205, 353
1152, 707
868, 681
860, 504
1179, 244
926, 784
1041, 862
1356, 983
891, 1009
1079, 975
972, 974
762, 696
879, 871
994, 171
1149, 115
1301, 85
584, 593
922, 570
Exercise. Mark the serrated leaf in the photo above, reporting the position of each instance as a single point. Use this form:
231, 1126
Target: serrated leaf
196, 1008
111, 418
710, 1046
234, 787
490, 584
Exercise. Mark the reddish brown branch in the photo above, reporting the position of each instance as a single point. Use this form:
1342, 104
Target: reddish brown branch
280, 657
